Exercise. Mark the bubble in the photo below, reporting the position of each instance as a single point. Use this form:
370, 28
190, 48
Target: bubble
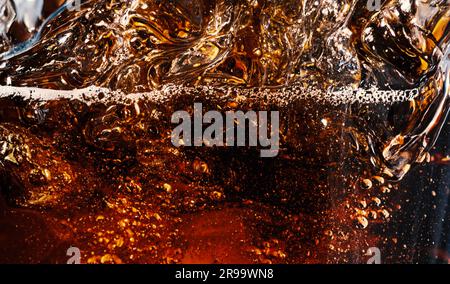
362, 222
366, 183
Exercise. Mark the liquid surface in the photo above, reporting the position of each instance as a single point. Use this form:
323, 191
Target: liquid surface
362, 95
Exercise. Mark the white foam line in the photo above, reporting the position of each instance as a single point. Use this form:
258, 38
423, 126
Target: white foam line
48, 94
280, 95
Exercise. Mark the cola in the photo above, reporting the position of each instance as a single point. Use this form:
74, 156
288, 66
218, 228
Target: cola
87, 158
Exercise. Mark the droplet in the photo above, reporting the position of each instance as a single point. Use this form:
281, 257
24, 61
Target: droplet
384, 213
110, 258
167, 187
363, 222
257, 52
216, 195
47, 174
157, 216
385, 189
379, 179
367, 183
376, 201
363, 204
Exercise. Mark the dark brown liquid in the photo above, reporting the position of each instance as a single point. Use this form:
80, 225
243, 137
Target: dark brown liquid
103, 175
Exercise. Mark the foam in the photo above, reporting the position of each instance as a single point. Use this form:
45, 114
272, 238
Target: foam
282, 96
